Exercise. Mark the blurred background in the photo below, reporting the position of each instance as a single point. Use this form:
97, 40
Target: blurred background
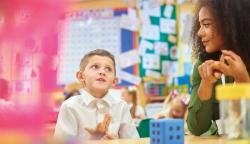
42, 42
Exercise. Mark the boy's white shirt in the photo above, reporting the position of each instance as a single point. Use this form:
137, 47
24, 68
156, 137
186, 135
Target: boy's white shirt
79, 112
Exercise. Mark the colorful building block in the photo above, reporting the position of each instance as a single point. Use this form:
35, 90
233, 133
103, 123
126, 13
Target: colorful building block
167, 131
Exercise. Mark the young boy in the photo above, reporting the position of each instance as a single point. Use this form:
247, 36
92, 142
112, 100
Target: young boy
95, 114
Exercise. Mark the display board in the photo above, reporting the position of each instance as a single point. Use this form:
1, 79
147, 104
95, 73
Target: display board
158, 41
87, 30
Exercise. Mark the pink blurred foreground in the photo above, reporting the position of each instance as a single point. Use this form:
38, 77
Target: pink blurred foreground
29, 58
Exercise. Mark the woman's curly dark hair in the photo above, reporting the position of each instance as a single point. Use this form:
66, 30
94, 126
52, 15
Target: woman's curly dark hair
232, 19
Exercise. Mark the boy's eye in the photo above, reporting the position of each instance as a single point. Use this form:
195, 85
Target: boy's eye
206, 25
108, 69
94, 66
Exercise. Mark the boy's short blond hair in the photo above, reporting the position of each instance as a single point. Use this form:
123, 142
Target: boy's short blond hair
96, 52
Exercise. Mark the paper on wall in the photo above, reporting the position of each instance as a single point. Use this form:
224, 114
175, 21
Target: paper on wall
161, 48
151, 61
174, 52
172, 39
168, 2
186, 53
155, 11
129, 77
186, 27
144, 45
144, 17
153, 74
129, 23
129, 58
170, 68
152, 9
168, 26
150, 32
168, 11
131, 13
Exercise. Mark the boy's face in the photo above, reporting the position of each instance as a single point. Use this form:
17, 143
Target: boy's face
98, 75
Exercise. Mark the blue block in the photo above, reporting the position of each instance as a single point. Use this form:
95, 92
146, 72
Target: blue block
167, 131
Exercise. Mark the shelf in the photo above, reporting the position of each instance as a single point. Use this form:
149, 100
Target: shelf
155, 98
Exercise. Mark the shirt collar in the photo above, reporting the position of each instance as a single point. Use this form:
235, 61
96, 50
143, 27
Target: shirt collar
108, 98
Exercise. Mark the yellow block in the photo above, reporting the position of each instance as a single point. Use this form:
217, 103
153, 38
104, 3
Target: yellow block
233, 91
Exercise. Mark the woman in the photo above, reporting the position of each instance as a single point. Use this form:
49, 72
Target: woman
221, 42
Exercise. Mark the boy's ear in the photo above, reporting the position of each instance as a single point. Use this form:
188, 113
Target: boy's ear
79, 76
115, 81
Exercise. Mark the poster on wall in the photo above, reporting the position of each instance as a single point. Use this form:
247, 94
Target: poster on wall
87, 30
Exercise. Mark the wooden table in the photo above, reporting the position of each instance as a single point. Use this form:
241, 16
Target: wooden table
188, 140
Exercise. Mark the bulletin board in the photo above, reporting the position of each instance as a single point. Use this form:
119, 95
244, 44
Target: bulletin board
86, 30
158, 44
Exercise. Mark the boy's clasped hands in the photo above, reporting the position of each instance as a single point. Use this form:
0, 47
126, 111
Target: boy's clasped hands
101, 129
230, 64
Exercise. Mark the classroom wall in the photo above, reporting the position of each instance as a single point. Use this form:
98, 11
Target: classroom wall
5, 62
93, 4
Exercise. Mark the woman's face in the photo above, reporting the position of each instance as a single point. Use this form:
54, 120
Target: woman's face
208, 32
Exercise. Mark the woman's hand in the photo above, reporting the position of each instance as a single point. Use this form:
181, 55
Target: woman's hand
208, 77
232, 65
207, 72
